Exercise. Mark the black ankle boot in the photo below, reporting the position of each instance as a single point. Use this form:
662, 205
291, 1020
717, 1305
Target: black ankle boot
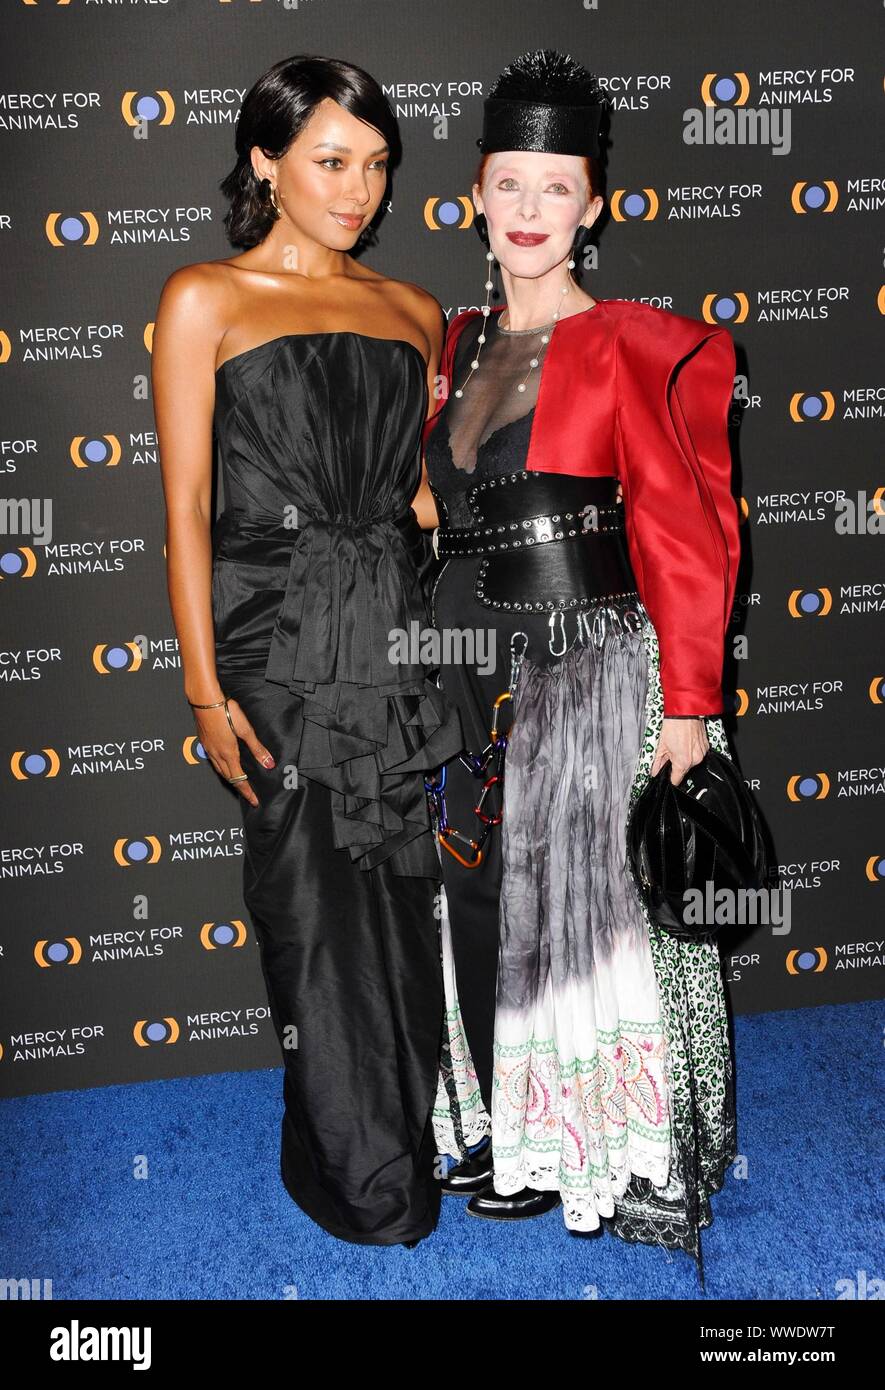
517, 1206
471, 1174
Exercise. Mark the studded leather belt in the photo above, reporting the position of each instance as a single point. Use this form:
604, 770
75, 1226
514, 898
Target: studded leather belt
532, 530
568, 551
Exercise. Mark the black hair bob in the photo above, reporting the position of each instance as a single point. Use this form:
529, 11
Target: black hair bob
273, 114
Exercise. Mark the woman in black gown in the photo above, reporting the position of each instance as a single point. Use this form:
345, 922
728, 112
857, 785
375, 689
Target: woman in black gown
316, 559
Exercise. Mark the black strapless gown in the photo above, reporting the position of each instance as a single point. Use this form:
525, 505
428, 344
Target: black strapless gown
317, 559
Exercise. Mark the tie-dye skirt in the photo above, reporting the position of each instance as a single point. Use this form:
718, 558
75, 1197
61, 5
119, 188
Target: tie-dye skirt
613, 1079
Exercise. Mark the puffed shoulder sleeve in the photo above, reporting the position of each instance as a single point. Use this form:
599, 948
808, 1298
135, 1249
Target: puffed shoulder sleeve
675, 379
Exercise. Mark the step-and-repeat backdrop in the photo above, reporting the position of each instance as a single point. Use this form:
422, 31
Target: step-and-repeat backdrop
744, 186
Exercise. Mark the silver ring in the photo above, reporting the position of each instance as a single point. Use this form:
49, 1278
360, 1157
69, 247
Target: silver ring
244, 778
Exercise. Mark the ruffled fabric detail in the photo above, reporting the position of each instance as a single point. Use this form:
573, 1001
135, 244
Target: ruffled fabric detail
372, 724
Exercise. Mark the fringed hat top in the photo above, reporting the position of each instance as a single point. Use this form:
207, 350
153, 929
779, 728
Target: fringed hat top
543, 100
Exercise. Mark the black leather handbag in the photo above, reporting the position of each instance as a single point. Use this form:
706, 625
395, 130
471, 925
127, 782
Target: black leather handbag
704, 831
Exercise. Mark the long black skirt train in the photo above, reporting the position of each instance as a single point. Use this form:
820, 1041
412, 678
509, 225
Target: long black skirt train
318, 561
350, 958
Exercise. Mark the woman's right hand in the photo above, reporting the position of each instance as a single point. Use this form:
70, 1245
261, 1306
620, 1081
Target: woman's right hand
222, 746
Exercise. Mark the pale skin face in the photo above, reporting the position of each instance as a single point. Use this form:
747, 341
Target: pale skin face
548, 194
536, 192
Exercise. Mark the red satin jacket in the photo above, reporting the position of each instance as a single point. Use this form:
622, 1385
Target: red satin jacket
643, 394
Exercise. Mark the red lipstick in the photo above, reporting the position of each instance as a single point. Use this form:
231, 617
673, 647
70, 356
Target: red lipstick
527, 238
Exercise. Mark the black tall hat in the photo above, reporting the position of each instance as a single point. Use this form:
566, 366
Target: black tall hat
543, 100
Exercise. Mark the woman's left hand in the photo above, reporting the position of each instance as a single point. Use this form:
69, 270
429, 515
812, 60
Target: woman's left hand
684, 742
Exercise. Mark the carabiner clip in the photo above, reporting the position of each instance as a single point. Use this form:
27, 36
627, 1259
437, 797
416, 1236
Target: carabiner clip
516, 658
443, 837
432, 786
489, 820
507, 695
557, 613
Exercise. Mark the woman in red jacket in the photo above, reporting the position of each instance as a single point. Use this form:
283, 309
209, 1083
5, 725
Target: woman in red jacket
580, 468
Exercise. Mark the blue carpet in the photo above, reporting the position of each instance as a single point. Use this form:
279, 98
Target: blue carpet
213, 1220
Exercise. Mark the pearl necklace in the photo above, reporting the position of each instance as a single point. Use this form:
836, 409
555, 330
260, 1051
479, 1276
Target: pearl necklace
543, 330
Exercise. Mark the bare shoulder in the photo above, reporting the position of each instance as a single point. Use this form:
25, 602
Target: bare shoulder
409, 297
421, 300
413, 304
201, 291
425, 309
194, 309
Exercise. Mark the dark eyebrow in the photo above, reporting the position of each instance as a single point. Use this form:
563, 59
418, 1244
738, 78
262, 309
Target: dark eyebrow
344, 149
